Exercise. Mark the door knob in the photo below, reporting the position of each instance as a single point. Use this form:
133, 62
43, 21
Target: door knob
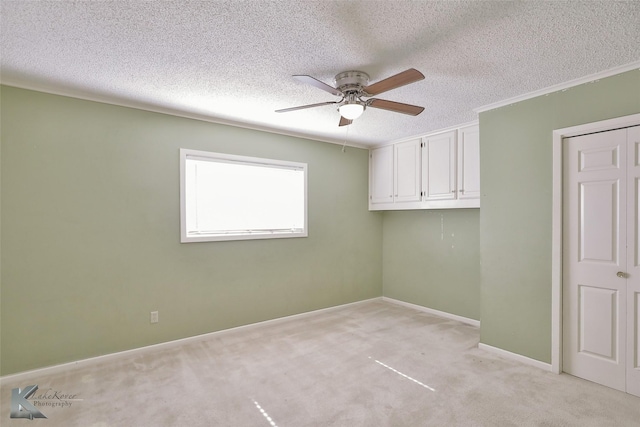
621, 274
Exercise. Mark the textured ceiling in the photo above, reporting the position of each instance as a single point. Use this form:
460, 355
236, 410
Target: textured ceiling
232, 61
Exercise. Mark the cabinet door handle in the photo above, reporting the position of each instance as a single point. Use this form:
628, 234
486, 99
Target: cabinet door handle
621, 274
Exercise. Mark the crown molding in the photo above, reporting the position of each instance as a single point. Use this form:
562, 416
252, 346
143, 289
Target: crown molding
561, 86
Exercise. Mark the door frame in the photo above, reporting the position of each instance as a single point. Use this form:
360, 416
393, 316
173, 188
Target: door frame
556, 223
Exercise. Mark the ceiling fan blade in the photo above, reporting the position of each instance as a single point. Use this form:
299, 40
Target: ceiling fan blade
404, 78
302, 107
344, 122
317, 83
397, 107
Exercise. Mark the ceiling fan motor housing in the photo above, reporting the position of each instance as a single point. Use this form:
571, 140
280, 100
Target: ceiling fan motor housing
351, 81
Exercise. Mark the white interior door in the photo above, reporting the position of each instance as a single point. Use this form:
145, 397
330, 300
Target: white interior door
600, 258
633, 262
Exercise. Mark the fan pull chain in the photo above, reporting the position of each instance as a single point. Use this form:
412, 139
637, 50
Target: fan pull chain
345, 139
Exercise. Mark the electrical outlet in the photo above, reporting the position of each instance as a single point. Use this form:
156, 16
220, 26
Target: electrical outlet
154, 317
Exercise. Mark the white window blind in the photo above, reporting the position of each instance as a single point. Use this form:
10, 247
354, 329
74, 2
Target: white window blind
228, 197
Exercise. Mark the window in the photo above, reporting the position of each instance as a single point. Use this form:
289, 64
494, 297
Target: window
228, 197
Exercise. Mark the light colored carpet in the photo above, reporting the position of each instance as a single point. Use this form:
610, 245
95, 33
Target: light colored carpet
370, 364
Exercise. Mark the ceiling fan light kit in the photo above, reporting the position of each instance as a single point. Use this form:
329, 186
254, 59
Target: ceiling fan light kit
353, 85
351, 108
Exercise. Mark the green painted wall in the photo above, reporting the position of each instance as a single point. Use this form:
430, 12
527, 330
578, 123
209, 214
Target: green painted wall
431, 258
90, 233
89, 239
515, 219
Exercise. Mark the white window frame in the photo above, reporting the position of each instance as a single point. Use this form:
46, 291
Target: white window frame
230, 158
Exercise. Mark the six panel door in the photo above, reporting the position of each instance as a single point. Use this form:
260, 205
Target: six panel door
600, 270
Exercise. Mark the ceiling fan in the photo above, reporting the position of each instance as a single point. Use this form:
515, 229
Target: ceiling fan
352, 86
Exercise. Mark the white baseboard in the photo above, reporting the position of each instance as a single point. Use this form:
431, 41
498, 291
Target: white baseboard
439, 313
517, 357
165, 345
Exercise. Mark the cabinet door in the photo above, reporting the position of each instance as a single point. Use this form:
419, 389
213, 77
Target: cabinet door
469, 163
407, 171
381, 175
439, 164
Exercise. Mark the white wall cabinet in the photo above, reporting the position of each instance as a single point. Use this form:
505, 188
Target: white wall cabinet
395, 174
439, 159
469, 163
407, 171
438, 171
381, 175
